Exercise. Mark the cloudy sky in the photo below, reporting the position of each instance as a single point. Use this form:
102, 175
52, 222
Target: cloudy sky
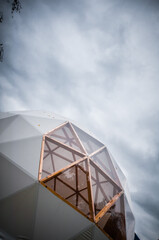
96, 62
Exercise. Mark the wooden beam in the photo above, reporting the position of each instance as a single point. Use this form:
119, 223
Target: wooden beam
66, 184
65, 200
41, 158
90, 192
106, 234
114, 171
60, 156
78, 193
82, 169
105, 175
107, 206
88, 133
78, 139
100, 163
62, 170
76, 170
48, 173
68, 148
97, 151
60, 126
99, 186
58, 136
50, 149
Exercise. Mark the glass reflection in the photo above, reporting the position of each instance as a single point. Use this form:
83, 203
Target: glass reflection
103, 160
72, 185
67, 136
90, 144
103, 188
113, 222
56, 157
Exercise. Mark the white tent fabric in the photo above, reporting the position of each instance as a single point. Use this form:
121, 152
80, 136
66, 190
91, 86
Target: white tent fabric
21, 136
12, 178
18, 211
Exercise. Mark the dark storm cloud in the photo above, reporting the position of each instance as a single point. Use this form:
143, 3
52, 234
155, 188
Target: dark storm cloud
148, 201
95, 62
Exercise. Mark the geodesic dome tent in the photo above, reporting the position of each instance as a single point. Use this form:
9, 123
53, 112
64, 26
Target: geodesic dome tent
59, 182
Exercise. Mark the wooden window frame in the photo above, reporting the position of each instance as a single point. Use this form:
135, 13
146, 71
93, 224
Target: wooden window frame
84, 156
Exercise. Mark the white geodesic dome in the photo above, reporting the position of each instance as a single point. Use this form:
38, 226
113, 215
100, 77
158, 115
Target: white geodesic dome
59, 182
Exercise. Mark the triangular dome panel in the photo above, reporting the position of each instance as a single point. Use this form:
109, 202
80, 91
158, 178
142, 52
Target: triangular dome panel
68, 136
7, 114
130, 220
39, 114
90, 143
57, 156
104, 189
43, 124
72, 185
16, 128
17, 213
102, 159
25, 153
113, 221
12, 178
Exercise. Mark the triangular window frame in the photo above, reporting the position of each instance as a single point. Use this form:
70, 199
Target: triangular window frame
83, 157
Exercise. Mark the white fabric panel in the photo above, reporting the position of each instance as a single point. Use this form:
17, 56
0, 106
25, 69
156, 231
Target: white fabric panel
25, 153
17, 213
6, 114
130, 221
44, 114
15, 128
12, 178
127, 194
43, 125
55, 219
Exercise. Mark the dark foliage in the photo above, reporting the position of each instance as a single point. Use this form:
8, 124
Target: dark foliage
1, 17
1, 52
16, 6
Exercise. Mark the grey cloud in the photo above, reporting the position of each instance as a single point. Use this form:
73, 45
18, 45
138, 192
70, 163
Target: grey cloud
148, 200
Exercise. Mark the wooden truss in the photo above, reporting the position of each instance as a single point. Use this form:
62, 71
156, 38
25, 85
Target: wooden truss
80, 179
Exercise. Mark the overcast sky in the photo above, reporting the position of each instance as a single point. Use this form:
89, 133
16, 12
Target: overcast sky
96, 62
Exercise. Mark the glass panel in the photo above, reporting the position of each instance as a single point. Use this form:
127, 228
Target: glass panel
66, 135
113, 222
57, 185
56, 157
90, 144
104, 161
103, 188
71, 184
120, 174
